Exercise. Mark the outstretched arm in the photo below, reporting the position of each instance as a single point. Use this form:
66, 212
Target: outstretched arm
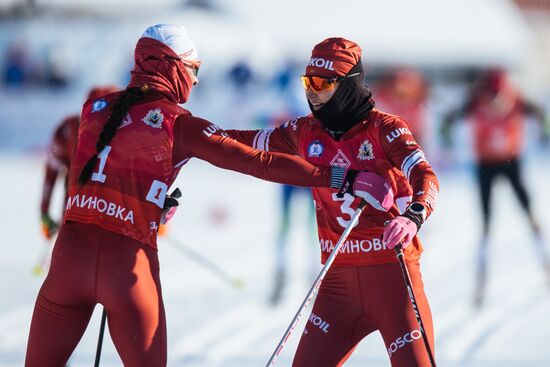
538, 114
449, 119
282, 139
195, 137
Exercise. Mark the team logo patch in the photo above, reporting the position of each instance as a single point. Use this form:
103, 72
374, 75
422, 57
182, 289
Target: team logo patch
154, 118
365, 151
99, 105
340, 160
315, 149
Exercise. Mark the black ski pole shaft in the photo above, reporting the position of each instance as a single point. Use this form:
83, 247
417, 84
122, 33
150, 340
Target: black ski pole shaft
412, 297
100, 338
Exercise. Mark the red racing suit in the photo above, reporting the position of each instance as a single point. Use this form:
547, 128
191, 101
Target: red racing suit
382, 143
364, 290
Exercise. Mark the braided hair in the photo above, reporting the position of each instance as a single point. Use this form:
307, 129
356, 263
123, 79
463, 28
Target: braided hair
120, 107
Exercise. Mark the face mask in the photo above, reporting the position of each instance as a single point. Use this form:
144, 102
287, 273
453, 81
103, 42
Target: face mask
350, 104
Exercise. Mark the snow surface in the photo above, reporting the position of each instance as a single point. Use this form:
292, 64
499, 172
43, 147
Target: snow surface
211, 323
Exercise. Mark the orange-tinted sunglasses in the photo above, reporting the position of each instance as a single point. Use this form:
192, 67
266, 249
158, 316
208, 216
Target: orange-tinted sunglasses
194, 64
320, 84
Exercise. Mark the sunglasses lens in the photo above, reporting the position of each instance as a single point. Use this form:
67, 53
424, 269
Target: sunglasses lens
316, 83
305, 82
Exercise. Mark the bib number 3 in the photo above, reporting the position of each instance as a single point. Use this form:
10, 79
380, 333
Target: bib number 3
346, 209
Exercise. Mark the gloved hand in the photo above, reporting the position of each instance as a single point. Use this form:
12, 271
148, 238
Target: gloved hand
371, 187
49, 226
404, 227
399, 230
170, 206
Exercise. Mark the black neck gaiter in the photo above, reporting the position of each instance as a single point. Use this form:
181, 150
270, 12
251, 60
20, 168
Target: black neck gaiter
348, 106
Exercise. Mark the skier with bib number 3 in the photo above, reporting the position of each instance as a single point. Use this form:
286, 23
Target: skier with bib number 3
364, 290
131, 146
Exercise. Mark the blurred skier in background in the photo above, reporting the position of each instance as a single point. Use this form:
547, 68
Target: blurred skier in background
498, 114
404, 92
131, 146
364, 290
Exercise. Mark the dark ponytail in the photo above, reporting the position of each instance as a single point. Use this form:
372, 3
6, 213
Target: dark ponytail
119, 109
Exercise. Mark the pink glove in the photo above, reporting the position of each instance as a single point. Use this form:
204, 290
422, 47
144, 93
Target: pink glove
374, 189
168, 214
399, 230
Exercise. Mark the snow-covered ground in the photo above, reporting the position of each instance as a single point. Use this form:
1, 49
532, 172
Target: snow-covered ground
211, 323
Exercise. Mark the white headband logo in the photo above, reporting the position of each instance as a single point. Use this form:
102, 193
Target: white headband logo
321, 63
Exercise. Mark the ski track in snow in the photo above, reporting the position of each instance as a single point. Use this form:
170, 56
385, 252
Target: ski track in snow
213, 324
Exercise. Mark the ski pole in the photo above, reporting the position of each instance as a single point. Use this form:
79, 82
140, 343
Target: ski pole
43, 263
412, 297
206, 263
317, 283
100, 338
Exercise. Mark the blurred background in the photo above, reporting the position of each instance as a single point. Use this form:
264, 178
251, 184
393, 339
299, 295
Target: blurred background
241, 254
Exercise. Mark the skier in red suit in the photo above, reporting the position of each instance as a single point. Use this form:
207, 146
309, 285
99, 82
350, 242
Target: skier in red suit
131, 146
497, 114
364, 290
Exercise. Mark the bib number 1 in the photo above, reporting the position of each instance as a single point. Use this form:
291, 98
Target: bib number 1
99, 176
157, 191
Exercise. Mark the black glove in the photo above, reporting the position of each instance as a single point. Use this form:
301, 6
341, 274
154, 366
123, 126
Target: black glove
346, 186
170, 205
171, 200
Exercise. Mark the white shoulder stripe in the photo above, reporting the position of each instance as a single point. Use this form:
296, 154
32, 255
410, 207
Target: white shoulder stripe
420, 160
267, 141
262, 140
411, 161
255, 140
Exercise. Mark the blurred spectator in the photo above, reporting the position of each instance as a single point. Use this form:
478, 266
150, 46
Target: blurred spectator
16, 67
241, 76
498, 114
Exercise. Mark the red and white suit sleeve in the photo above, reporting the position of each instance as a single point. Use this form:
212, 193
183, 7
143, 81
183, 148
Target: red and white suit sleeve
195, 137
405, 153
282, 139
